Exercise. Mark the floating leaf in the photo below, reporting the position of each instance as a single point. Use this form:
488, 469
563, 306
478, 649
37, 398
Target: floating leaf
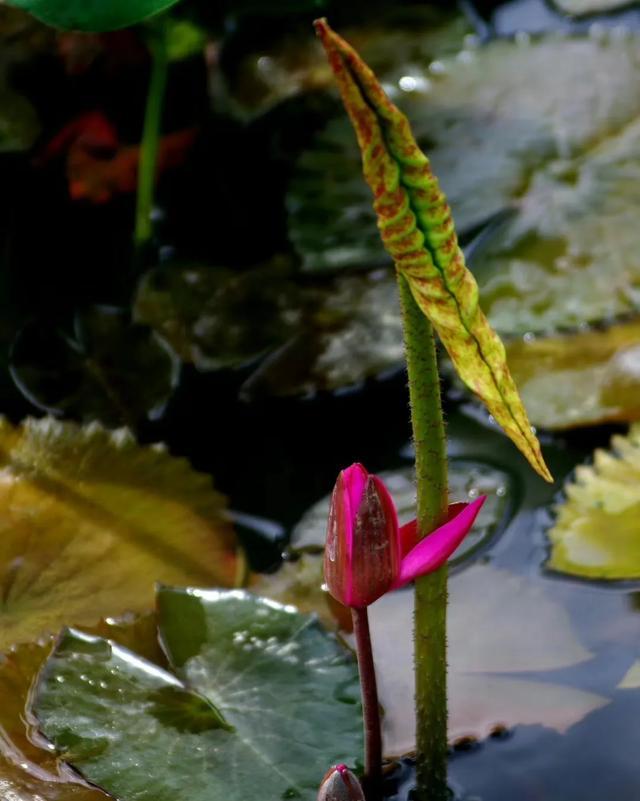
580, 8
295, 65
97, 15
91, 521
218, 318
417, 228
579, 379
499, 625
561, 156
110, 369
597, 529
631, 679
288, 690
351, 330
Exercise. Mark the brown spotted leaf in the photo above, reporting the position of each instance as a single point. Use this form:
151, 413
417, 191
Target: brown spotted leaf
417, 229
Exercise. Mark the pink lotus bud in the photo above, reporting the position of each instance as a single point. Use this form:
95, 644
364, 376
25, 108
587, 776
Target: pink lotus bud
362, 557
339, 784
368, 554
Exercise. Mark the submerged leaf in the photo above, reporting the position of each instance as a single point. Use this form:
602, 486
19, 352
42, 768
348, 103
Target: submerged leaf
110, 369
91, 521
287, 693
417, 229
579, 379
96, 15
597, 529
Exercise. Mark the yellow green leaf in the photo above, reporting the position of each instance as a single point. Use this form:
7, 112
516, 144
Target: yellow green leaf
597, 529
417, 229
90, 521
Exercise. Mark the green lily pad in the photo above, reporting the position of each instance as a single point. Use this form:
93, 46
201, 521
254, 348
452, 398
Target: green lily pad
93, 15
579, 379
596, 533
91, 521
109, 369
467, 480
561, 156
581, 8
19, 123
286, 692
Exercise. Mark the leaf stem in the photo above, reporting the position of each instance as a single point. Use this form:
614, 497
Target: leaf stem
151, 131
430, 621
370, 706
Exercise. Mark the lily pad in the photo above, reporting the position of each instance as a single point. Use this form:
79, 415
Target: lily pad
30, 769
499, 625
580, 379
351, 330
596, 533
286, 692
215, 317
19, 123
97, 15
560, 155
109, 369
581, 8
295, 65
91, 521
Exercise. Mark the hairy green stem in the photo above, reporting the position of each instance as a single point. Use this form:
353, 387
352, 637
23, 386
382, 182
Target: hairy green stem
372, 780
150, 144
431, 591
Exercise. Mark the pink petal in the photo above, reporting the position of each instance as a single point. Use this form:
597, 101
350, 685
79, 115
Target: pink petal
354, 480
433, 551
409, 532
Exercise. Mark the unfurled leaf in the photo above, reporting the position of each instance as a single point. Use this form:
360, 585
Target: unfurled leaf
263, 698
93, 15
596, 533
91, 521
579, 379
417, 229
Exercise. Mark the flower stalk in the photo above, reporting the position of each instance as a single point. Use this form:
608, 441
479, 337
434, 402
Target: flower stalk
430, 621
372, 780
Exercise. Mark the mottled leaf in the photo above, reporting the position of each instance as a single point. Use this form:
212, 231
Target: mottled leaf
90, 521
417, 229
93, 15
596, 533
579, 379
107, 369
287, 689
560, 157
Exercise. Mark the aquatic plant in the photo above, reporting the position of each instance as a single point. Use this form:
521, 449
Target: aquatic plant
436, 289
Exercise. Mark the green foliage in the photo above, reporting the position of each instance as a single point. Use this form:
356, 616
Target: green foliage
93, 15
261, 698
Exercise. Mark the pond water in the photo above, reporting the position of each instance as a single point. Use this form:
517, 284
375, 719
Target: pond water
272, 357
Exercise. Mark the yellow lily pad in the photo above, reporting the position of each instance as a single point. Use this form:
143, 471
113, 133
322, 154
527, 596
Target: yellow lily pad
89, 522
596, 534
579, 379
